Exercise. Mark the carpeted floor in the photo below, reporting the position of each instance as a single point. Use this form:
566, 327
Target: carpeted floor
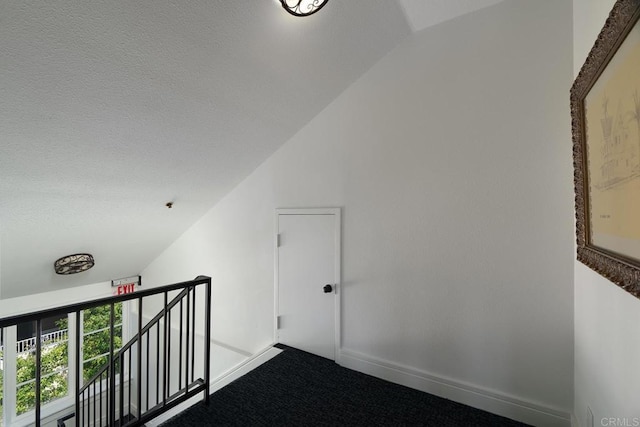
296, 388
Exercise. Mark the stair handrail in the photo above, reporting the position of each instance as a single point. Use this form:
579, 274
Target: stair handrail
203, 385
52, 312
134, 339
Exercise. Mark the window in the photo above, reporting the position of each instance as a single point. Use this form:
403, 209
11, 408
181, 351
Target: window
54, 366
96, 338
18, 343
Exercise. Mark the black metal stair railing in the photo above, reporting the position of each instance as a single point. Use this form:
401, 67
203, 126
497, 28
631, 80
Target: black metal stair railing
140, 380
90, 410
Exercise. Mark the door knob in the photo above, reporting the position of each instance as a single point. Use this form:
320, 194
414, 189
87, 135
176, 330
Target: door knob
327, 289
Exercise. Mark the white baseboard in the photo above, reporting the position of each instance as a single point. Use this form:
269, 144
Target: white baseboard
467, 394
221, 381
574, 420
244, 367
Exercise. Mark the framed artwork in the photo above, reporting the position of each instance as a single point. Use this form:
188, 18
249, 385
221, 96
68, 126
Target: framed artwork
605, 112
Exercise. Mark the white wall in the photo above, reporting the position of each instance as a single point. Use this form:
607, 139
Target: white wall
451, 159
0, 265
47, 300
607, 348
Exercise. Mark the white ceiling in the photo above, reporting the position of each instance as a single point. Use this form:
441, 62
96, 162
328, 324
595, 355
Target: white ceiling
108, 110
426, 13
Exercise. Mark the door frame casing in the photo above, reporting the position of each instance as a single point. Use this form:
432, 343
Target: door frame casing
336, 212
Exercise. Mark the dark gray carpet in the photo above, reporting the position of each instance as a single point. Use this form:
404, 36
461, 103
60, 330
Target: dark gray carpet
296, 388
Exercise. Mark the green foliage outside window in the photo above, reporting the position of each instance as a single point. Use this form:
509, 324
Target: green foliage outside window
96, 340
55, 359
53, 382
96, 324
97, 350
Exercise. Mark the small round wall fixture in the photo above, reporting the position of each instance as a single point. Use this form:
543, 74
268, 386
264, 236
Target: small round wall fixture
303, 7
72, 264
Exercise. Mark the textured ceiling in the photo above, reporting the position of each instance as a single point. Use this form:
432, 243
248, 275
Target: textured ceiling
425, 13
108, 110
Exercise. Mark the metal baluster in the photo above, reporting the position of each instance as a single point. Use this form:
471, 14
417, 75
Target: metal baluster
112, 381
186, 358
38, 369
158, 363
121, 394
81, 417
78, 368
94, 403
193, 341
88, 406
148, 391
207, 343
139, 364
180, 350
101, 393
164, 352
168, 362
129, 404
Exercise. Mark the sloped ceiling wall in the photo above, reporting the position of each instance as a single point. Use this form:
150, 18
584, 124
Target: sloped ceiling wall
451, 161
110, 110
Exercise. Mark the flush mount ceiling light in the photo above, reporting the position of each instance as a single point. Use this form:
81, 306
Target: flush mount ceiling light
303, 7
72, 264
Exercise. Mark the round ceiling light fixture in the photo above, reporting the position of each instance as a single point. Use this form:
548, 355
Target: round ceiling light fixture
303, 7
72, 264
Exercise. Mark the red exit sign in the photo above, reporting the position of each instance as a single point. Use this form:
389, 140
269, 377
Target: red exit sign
126, 285
126, 289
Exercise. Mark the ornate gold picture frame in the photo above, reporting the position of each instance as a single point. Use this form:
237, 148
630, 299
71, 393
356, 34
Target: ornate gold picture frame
605, 112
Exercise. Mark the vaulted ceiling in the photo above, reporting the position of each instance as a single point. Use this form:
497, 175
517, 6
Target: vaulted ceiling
109, 110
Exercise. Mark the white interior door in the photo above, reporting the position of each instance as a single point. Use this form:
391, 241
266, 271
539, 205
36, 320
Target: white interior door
308, 258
